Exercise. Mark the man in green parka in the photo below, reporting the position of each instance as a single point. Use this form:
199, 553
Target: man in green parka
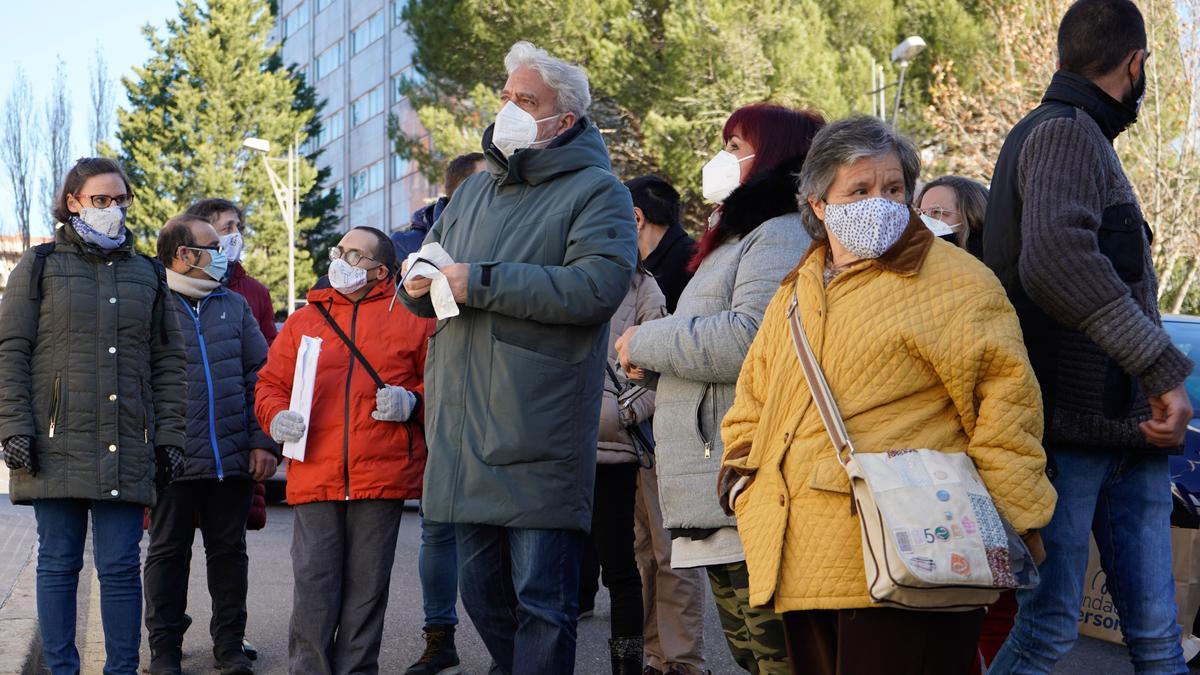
545, 246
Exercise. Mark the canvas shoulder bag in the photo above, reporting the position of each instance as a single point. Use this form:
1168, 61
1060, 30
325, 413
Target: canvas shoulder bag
932, 538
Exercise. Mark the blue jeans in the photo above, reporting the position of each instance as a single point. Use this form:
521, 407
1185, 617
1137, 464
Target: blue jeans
116, 534
1124, 500
437, 563
521, 590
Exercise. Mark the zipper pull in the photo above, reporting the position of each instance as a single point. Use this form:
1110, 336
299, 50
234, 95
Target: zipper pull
145, 435
51, 428
707, 449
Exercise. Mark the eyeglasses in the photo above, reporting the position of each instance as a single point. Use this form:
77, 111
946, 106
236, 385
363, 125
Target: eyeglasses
104, 201
937, 212
219, 248
350, 255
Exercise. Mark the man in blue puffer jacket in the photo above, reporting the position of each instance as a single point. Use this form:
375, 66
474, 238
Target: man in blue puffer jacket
225, 448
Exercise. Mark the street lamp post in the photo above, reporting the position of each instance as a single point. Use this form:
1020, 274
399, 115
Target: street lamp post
287, 195
902, 55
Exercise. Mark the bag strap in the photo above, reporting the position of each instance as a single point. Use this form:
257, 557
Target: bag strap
822, 396
350, 345
40, 253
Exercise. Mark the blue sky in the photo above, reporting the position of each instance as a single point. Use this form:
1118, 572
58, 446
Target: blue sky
42, 30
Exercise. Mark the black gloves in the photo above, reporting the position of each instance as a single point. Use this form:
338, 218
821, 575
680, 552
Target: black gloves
19, 454
168, 464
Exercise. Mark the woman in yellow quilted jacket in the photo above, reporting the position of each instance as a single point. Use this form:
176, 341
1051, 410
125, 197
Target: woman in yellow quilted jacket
921, 349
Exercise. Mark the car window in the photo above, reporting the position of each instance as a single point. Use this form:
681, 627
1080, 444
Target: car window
1186, 336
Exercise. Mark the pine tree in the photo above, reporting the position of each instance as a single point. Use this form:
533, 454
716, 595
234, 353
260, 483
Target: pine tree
212, 82
666, 74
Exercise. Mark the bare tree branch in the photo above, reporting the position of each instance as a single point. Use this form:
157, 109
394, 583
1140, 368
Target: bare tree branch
19, 143
58, 138
101, 88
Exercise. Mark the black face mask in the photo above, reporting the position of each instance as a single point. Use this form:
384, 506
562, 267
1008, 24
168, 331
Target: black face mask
1133, 100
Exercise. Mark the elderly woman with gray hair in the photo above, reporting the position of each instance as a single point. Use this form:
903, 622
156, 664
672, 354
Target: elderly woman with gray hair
921, 349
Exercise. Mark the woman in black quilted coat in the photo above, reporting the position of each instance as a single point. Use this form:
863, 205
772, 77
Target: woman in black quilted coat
91, 406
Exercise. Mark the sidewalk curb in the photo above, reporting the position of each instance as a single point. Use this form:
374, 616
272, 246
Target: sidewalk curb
20, 641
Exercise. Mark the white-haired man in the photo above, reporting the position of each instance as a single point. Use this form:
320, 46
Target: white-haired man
548, 244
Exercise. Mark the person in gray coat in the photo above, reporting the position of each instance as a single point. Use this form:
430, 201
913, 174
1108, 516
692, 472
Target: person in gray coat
698, 351
91, 407
225, 452
547, 245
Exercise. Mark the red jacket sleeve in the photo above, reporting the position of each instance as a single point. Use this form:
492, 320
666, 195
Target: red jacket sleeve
273, 393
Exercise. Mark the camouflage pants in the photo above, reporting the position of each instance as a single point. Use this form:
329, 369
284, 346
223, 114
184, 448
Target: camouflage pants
755, 635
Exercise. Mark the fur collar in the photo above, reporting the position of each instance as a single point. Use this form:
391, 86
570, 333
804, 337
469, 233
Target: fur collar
763, 197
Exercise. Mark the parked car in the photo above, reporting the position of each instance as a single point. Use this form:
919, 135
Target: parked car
1185, 468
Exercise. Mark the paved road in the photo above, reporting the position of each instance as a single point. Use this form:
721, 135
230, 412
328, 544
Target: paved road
271, 599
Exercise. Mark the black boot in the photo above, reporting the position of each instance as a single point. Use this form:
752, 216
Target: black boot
627, 655
440, 657
231, 660
166, 660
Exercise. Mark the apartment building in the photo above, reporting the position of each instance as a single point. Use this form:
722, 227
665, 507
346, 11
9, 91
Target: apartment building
355, 52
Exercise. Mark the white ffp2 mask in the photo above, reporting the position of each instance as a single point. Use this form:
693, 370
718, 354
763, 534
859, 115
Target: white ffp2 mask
721, 176
515, 129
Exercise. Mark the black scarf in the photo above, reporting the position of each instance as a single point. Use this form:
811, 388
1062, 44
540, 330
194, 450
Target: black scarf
768, 195
1080, 92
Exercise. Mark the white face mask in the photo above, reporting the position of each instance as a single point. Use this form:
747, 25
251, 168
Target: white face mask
516, 129
233, 245
346, 278
107, 222
721, 176
867, 227
940, 228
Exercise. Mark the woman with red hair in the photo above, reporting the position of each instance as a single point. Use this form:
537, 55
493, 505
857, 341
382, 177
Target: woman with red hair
755, 237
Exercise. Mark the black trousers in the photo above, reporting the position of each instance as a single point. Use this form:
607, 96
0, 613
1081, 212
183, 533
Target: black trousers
612, 544
220, 508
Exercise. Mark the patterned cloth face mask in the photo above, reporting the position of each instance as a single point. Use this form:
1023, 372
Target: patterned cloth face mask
867, 227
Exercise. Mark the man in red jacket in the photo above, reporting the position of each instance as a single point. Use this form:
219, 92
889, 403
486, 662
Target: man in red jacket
364, 455
226, 218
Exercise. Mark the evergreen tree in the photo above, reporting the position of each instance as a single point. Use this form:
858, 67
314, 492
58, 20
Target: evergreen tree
665, 74
212, 82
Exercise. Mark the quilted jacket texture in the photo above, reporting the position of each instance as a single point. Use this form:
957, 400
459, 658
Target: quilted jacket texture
93, 371
225, 349
921, 349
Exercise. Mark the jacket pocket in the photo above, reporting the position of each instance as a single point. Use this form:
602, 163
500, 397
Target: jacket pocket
1122, 241
829, 475
533, 400
55, 404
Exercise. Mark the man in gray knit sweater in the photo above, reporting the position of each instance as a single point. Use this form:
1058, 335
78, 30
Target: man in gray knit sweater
1066, 237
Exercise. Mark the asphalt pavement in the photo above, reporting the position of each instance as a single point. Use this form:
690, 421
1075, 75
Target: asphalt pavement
270, 604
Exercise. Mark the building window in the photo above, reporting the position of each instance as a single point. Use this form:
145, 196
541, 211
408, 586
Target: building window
332, 128
329, 60
397, 12
365, 181
408, 75
366, 33
401, 167
295, 19
322, 4
366, 106
403, 204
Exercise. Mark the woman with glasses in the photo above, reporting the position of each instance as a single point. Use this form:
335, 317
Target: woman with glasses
953, 207
364, 453
92, 399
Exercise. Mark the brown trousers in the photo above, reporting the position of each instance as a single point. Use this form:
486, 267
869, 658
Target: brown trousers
882, 640
673, 599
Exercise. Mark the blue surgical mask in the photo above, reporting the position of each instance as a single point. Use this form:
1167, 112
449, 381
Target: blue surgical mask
218, 265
